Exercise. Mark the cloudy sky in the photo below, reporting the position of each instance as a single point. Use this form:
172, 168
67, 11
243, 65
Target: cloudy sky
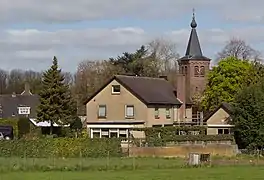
33, 31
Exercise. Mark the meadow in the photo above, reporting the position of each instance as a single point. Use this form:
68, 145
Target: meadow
212, 173
129, 168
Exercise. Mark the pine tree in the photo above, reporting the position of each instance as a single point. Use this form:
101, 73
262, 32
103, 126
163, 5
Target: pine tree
56, 104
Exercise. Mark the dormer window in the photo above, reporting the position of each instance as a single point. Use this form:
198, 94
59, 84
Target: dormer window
115, 89
24, 110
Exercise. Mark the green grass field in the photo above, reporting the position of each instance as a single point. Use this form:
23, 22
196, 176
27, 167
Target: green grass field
212, 173
129, 168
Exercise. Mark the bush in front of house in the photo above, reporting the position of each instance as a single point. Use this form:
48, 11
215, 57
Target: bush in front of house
61, 147
23, 125
160, 136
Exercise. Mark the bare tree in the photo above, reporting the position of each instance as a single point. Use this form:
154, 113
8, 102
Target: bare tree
68, 78
240, 49
16, 81
165, 53
34, 80
90, 76
3, 81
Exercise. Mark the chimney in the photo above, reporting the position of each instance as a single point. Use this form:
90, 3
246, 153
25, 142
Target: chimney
26, 90
181, 95
164, 77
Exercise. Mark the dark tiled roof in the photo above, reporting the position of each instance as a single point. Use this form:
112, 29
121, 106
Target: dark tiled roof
150, 90
10, 104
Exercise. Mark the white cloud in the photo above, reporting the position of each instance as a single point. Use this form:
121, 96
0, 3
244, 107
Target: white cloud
80, 10
32, 48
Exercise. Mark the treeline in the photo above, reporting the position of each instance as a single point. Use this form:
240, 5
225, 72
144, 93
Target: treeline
14, 81
156, 58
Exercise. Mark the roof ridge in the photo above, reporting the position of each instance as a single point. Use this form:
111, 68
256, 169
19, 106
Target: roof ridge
140, 77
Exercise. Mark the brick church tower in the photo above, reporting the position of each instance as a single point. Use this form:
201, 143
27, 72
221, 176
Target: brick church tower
194, 66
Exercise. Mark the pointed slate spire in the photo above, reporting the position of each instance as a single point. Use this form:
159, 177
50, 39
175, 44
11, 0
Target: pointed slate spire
193, 51
193, 48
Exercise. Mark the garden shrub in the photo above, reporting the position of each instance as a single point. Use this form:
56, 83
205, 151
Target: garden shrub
61, 147
23, 125
160, 136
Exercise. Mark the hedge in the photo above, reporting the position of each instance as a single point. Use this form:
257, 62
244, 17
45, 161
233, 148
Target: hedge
159, 136
61, 147
188, 138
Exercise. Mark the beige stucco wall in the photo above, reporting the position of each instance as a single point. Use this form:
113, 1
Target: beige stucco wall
116, 108
162, 120
218, 118
115, 105
188, 114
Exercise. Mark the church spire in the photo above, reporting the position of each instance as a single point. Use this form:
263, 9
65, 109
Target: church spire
194, 48
193, 23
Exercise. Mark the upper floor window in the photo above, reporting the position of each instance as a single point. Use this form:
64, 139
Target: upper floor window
168, 113
196, 71
185, 70
129, 111
115, 89
202, 71
102, 111
156, 113
23, 110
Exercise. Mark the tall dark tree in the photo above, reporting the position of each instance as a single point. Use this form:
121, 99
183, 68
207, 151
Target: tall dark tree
56, 103
139, 63
248, 117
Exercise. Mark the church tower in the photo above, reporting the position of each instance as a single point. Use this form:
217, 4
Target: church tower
194, 66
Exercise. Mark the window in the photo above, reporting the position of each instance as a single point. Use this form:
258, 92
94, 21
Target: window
185, 70
223, 131
24, 110
116, 89
226, 131
168, 113
196, 71
156, 113
129, 111
182, 70
102, 111
202, 71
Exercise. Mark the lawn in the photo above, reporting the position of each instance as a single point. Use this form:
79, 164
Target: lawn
85, 164
212, 173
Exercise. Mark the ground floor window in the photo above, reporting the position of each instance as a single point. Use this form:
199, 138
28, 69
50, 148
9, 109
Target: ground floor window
109, 132
223, 131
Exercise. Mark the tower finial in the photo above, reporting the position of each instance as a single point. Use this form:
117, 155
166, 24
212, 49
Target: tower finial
193, 23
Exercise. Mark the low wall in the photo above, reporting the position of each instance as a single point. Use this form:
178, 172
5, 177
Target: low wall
184, 150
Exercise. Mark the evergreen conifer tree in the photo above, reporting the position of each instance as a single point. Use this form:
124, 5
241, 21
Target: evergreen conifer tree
56, 104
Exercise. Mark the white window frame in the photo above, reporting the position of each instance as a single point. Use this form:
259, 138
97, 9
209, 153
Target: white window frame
113, 87
168, 113
156, 112
102, 106
129, 106
24, 110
